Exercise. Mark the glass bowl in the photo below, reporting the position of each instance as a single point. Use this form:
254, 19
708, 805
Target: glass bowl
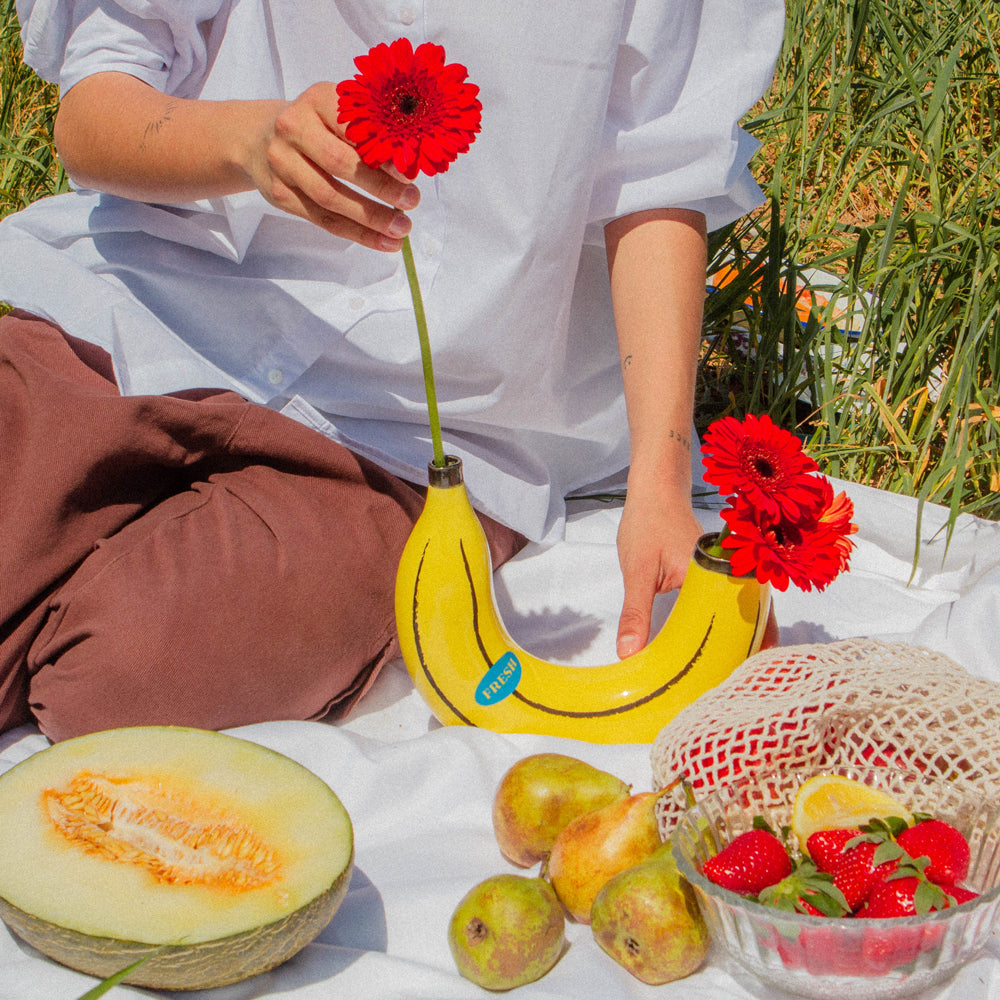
843, 958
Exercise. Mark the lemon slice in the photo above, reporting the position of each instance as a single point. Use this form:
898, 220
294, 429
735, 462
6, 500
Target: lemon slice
830, 801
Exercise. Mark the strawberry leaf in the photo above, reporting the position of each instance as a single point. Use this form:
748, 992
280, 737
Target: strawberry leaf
806, 890
889, 850
864, 838
896, 825
927, 897
830, 902
759, 823
910, 866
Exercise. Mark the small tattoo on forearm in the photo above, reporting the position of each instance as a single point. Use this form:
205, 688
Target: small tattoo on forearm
684, 440
627, 361
154, 126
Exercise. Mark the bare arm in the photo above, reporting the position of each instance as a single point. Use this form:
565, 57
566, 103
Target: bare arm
657, 262
117, 134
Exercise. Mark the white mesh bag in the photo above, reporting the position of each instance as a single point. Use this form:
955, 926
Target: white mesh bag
856, 701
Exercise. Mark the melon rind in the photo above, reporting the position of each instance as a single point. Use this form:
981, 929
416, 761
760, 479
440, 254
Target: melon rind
207, 961
182, 967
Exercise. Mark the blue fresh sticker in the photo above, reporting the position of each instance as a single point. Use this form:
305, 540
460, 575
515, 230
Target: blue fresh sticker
500, 680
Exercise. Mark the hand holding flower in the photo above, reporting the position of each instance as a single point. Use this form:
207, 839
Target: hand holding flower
304, 165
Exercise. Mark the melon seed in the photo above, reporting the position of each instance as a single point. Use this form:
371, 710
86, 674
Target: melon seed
179, 841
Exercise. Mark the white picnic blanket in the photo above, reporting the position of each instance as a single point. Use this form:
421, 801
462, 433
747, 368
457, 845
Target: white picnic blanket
420, 794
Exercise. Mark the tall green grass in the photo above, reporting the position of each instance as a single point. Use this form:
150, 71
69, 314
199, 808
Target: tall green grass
880, 162
29, 167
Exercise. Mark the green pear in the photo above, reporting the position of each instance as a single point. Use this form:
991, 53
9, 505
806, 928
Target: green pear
647, 919
507, 931
598, 845
539, 795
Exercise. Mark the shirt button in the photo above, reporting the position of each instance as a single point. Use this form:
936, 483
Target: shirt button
357, 303
406, 15
430, 247
275, 376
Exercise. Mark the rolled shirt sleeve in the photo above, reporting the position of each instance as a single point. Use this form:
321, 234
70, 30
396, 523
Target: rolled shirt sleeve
671, 137
164, 44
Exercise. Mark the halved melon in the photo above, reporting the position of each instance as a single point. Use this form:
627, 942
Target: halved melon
216, 857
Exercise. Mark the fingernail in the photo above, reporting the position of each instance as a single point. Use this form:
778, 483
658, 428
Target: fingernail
409, 197
400, 226
627, 645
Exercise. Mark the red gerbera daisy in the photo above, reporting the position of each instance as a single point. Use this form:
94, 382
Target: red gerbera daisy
764, 463
835, 514
809, 553
408, 108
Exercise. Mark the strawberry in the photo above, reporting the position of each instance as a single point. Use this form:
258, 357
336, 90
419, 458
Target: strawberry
946, 850
956, 895
790, 950
864, 863
749, 864
829, 953
886, 948
903, 895
822, 951
826, 847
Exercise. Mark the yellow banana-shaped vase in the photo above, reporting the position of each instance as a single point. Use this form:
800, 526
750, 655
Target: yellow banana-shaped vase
471, 672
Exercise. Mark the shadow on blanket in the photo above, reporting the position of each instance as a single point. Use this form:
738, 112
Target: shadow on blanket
359, 926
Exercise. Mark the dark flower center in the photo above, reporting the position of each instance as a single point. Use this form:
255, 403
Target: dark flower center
409, 106
760, 463
786, 536
407, 103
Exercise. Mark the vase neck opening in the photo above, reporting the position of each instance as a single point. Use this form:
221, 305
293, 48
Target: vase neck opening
443, 476
709, 561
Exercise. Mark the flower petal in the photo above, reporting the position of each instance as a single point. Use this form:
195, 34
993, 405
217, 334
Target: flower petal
409, 108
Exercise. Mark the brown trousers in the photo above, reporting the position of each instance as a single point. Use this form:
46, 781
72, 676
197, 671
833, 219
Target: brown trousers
190, 559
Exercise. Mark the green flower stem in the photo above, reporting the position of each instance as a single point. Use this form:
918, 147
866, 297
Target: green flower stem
717, 550
425, 353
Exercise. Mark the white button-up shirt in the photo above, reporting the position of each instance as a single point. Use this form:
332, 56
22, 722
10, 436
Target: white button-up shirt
592, 109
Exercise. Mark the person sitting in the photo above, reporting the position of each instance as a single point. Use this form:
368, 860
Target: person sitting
214, 422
